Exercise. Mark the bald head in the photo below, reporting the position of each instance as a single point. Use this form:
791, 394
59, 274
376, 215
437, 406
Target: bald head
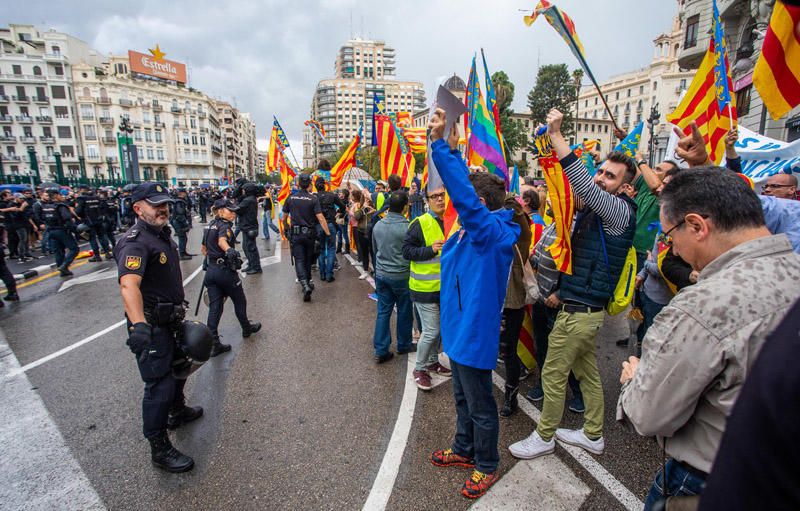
782, 186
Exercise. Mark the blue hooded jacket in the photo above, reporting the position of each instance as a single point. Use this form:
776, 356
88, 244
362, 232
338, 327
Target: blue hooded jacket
476, 262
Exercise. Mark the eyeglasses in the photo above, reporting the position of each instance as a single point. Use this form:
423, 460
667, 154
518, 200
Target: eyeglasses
665, 237
436, 196
768, 186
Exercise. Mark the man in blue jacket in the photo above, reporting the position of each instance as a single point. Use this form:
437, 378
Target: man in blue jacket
476, 262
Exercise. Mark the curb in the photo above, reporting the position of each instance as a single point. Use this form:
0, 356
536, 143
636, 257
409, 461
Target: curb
45, 268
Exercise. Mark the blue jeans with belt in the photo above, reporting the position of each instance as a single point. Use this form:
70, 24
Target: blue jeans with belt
680, 482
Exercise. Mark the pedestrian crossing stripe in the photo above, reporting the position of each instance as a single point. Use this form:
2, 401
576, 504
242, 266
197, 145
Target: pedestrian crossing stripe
133, 262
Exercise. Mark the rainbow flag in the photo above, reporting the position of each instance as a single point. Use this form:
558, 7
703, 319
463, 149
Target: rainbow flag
777, 71
470, 96
347, 161
559, 192
317, 127
484, 144
491, 101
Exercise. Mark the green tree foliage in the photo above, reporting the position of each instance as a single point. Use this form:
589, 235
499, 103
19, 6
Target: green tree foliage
554, 88
513, 131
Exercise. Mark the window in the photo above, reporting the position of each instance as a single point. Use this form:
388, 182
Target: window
90, 132
47, 131
87, 112
743, 101
146, 117
149, 153
683, 83
185, 137
157, 118
692, 25
641, 89
91, 151
64, 132
193, 123
155, 102
655, 86
16, 69
595, 101
158, 136
67, 151
62, 112
137, 135
148, 136
629, 93
37, 71
160, 154
21, 92
617, 95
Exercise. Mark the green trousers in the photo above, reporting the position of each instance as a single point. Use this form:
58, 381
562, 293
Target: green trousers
571, 346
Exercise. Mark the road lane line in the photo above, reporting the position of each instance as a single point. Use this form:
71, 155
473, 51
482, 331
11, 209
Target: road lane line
47, 276
62, 351
595, 469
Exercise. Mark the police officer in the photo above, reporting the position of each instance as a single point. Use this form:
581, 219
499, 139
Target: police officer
248, 224
58, 225
328, 202
152, 291
202, 204
108, 212
88, 208
181, 222
306, 214
222, 279
127, 215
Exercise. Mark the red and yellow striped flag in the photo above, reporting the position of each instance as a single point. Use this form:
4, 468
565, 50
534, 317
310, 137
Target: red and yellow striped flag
701, 106
275, 152
559, 192
390, 150
777, 72
346, 162
287, 174
526, 349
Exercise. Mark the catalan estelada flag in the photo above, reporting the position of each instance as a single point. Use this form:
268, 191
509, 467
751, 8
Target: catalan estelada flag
394, 154
706, 103
777, 72
346, 162
559, 192
526, 348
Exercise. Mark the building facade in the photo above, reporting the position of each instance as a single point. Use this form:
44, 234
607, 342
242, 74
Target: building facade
37, 109
362, 69
745, 24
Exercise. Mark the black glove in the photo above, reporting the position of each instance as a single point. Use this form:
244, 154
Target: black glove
231, 254
139, 337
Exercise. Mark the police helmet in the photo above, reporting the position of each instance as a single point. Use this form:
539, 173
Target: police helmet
82, 228
304, 180
52, 191
129, 187
250, 188
195, 341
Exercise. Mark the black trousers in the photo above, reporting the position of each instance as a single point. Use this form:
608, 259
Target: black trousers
509, 336
183, 239
6, 276
62, 242
364, 246
303, 253
203, 211
162, 391
250, 249
222, 283
98, 233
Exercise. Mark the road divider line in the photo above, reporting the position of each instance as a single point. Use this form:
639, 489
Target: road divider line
62, 351
595, 469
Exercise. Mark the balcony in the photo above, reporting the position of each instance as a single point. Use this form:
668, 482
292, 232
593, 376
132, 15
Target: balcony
157, 108
47, 140
109, 140
24, 119
107, 101
90, 137
54, 57
41, 99
122, 102
216, 148
6, 118
44, 119
85, 99
175, 110
112, 159
201, 114
203, 130
27, 139
8, 139
106, 120
176, 125
12, 157
3, 98
160, 125
21, 99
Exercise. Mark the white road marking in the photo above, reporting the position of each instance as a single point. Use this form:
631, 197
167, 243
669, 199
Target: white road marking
37, 470
608, 481
91, 277
62, 351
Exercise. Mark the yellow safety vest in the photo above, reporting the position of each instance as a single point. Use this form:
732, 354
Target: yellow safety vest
426, 276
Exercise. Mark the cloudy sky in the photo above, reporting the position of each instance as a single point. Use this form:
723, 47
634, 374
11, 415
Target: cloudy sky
267, 56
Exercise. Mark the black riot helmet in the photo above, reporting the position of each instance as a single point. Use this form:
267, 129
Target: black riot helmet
129, 188
250, 189
195, 341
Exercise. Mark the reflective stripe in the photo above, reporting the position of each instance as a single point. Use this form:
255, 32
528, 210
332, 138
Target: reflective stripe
426, 277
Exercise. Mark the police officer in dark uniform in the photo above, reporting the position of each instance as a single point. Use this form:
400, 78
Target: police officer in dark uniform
88, 208
109, 209
202, 204
127, 215
306, 214
248, 223
222, 279
58, 224
181, 222
328, 202
152, 291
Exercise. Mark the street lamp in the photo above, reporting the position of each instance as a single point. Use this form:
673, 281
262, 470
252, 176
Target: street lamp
126, 157
652, 122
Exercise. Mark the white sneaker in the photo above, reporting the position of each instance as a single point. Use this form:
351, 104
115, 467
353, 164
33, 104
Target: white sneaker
578, 438
363, 276
532, 447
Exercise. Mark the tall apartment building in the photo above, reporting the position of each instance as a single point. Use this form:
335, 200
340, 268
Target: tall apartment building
632, 95
239, 132
343, 103
37, 112
261, 162
745, 23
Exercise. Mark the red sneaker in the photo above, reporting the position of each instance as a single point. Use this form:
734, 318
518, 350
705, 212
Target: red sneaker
441, 370
423, 380
478, 484
447, 458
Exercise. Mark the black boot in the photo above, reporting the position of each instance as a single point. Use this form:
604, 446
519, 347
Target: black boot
64, 271
166, 457
109, 256
11, 297
217, 348
96, 259
307, 290
251, 328
510, 403
178, 418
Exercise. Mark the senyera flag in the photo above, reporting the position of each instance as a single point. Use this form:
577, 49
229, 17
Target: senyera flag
777, 72
347, 161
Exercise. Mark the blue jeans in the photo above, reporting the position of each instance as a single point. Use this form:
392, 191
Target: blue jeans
343, 238
266, 225
650, 310
680, 482
477, 423
327, 247
392, 292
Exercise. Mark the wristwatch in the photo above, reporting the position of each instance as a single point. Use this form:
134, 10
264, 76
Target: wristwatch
641, 162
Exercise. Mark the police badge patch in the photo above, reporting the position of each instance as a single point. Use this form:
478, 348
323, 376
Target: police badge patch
133, 262
162, 258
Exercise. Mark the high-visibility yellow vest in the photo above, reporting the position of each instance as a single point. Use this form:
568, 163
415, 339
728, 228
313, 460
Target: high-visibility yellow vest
426, 276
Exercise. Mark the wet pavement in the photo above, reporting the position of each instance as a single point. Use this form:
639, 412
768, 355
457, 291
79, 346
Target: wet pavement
297, 416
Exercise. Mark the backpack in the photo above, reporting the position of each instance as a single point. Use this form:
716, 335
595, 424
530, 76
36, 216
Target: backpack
624, 290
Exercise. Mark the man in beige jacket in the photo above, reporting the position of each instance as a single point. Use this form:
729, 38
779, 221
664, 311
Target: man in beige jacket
697, 353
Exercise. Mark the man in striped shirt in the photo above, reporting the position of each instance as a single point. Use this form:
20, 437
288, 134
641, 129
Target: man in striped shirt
602, 235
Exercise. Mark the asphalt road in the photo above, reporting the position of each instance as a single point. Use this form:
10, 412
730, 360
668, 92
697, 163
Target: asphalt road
296, 417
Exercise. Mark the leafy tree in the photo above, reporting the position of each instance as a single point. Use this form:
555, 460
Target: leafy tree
513, 131
554, 88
